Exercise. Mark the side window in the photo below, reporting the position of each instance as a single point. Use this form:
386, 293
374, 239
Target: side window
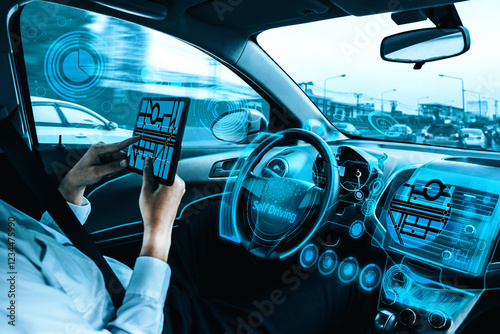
81, 119
46, 115
108, 65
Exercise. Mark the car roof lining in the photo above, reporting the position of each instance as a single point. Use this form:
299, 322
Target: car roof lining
202, 22
251, 17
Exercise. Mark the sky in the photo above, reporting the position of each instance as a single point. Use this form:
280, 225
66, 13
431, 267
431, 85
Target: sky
351, 46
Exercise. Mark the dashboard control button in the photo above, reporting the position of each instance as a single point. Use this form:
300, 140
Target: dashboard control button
385, 322
370, 277
309, 255
439, 320
359, 195
327, 262
408, 317
446, 254
348, 270
469, 229
356, 229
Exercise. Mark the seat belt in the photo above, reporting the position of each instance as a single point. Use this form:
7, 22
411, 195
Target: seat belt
34, 175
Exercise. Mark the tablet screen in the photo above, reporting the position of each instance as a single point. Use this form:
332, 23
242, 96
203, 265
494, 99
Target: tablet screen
160, 123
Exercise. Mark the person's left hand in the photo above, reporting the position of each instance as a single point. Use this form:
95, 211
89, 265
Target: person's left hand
99, 161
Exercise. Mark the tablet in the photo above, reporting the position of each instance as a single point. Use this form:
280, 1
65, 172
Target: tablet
160, 124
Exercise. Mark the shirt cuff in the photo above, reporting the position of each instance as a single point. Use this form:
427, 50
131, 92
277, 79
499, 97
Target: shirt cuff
151, 277
81, 212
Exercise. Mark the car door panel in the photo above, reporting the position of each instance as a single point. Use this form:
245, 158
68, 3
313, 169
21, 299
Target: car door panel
115, 216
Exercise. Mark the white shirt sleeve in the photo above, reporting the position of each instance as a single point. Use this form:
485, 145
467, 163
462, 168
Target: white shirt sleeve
142, 308
81, 212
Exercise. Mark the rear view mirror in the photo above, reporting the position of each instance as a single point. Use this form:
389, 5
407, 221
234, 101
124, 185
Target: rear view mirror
239, 126
421, 46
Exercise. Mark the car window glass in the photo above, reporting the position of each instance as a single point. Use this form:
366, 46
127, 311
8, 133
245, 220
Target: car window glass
108, 65
337, 64
46, 115
77, 118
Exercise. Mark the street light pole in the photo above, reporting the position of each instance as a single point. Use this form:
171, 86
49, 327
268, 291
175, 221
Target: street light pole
324, 90
463, 89
382, 97
358, 95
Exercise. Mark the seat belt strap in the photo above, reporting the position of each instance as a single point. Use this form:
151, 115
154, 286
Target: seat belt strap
34, 175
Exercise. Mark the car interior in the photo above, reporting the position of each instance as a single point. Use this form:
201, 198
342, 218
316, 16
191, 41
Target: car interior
399, 202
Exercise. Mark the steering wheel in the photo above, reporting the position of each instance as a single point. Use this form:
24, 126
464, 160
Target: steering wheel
273, 216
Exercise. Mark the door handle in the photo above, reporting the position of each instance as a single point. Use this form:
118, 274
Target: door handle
224, 168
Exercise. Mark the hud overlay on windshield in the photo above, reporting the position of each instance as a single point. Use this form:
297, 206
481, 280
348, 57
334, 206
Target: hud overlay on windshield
160, 123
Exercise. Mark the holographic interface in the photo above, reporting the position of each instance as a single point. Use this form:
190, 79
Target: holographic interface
160, 123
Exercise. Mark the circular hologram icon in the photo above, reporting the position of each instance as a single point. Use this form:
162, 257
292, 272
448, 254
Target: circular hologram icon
225, 101
382, 122
348, 270
370, 277
368, 207
309, 255
74, 65
359, 195
327, 262
356, 229
397, 281
106, 106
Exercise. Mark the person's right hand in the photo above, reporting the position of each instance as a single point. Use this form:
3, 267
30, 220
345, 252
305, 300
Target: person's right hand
99, 161
158, 206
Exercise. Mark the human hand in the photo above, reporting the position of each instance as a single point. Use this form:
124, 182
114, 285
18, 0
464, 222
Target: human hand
99, 161
158, 206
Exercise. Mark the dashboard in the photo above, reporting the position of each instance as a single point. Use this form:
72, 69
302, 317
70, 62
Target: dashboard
419, 231
436, 220
415, 230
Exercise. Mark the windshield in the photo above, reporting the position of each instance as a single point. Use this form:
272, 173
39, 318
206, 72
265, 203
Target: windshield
338, 65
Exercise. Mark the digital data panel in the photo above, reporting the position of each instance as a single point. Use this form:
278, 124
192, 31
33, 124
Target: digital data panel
160, 123
419, 212
448, 221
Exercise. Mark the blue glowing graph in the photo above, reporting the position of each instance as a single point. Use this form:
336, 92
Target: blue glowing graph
75, 65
